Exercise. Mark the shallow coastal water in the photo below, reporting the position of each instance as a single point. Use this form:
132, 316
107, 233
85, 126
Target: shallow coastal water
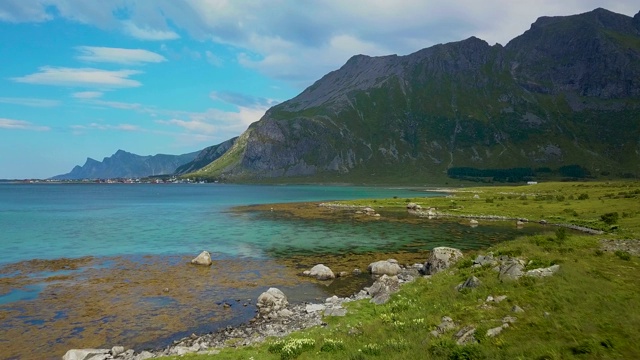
112, 259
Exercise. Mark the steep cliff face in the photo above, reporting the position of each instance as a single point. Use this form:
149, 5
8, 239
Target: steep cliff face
123, 164
567, 91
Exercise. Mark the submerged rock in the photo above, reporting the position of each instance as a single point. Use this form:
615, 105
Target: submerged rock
321, 272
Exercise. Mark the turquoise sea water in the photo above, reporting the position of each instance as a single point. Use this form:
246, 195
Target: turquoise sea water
48, 221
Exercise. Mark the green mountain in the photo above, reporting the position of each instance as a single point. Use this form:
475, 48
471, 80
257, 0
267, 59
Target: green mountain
205, 157
566, 92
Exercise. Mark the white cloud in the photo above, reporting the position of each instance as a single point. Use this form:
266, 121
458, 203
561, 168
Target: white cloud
302, 40
87, 94
147, 33
33, 102
196, 126
104, 127
81, 77
11, 124
118, 55
20, 11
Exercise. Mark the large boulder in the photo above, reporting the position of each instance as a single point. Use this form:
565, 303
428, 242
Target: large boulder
511, 269
382, 289
87, 354
203, 259
321, 272
271, 302
384, 267
441, 258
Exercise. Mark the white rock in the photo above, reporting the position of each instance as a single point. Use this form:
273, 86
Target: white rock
321, 272
384, 267
310, 308
87, 354
203, 259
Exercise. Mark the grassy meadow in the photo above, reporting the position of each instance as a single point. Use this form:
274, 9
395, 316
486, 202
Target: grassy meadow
588, 310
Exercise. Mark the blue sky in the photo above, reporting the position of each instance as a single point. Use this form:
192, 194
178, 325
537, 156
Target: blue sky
83, 79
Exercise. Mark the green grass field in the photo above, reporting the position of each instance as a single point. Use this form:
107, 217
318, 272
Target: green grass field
588, 310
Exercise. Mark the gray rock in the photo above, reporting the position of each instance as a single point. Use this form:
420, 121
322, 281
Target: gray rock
466, 335
543, 272
87, 354
271, 301
356, 272
500, 298
144, 356
511, 269
335, 312
509, 319
446, 325
441, 258
117, 350
284, 313
203, 259
473, 222
482, 260
413, 206
470, 283
310, 308
496, 331
517, 309
382, 289
384, 267
321, 272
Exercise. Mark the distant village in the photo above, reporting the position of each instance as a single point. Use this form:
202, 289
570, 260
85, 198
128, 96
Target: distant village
145, 180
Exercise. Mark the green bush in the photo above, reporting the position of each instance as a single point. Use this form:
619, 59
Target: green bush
610, 218
583, 196
623, 255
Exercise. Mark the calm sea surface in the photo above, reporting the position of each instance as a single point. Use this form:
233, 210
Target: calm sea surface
49, 221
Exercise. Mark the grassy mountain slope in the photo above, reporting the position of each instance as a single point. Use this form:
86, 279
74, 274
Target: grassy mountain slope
567, 91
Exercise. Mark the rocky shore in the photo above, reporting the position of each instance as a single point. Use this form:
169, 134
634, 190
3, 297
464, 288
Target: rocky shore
276, 317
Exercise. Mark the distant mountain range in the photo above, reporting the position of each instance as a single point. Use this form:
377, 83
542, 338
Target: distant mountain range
566, 92
123, 164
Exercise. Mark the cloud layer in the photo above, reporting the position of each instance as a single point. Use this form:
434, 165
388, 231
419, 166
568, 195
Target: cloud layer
118, 55
300, 41
81, 77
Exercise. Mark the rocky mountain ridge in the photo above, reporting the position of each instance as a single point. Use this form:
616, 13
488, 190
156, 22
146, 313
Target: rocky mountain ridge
567, 91
123, 164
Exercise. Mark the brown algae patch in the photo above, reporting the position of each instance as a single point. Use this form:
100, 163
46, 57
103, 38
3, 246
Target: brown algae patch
126, 301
